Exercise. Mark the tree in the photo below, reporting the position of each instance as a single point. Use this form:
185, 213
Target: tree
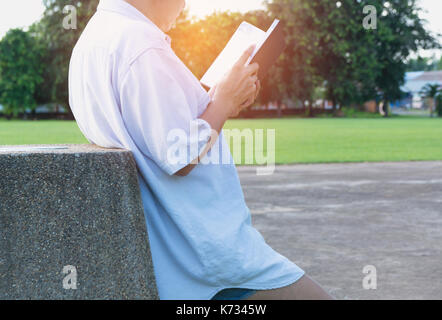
21, 71
422, 64
431, 91
59, 43
328, 49
197, 42
325, 50
400, 32
346, 58
294, 76
330, 46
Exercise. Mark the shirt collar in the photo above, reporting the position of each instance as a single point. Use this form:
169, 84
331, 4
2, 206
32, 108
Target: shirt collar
126, 9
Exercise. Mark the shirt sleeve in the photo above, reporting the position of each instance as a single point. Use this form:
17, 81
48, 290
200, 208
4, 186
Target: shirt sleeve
156, 111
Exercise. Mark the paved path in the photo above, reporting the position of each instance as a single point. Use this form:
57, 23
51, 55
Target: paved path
334, 219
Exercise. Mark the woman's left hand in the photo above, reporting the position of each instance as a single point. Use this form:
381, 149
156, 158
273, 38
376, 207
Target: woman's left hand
246, 104
252, 99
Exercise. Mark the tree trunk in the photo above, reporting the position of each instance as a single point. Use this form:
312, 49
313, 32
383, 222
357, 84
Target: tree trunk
310, 110
24, 115
335, 107
385, 109
432, 107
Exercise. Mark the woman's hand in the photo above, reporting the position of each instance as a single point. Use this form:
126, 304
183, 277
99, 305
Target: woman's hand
239, 87
250, 100
236, 91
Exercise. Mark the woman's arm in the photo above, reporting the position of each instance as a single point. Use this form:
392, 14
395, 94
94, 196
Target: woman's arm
216, 116
239, 85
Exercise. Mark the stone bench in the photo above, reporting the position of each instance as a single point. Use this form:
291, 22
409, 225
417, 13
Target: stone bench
72, 225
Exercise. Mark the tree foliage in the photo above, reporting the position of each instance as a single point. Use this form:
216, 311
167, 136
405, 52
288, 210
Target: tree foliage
59, 43
432, 92
21, 71
198, 42
330, 46
329, 51
424, 64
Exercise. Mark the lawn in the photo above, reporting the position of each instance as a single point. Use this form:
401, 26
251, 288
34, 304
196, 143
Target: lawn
297, 140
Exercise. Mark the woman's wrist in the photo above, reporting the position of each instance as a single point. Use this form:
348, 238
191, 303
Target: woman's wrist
216, 114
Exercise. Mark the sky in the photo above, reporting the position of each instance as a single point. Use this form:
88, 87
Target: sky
433, 10
22, 13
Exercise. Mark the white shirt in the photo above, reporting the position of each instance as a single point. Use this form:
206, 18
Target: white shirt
128, 90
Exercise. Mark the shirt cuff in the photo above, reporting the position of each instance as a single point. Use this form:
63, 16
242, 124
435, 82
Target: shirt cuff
197, 140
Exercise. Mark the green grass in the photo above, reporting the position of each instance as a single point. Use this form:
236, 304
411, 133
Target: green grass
17, 132
352, 140
297, 140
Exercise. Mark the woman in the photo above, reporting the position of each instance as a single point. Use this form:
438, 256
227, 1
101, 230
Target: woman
129, 90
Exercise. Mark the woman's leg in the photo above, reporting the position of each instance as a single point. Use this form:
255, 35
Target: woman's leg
303, 289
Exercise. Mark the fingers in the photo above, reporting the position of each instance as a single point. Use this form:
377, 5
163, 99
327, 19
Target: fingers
249, 102
252, 69
254, 78
255, 92
250, 99
245, 56
253, 88
250, 81
258, 89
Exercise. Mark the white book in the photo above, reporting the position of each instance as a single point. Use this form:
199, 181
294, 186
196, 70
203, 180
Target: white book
245, 36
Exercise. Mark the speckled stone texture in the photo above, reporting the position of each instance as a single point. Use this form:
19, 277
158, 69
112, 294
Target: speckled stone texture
79, 206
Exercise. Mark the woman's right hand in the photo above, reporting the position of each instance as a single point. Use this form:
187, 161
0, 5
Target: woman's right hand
238, 88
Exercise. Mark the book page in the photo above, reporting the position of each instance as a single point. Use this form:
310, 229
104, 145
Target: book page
245, 36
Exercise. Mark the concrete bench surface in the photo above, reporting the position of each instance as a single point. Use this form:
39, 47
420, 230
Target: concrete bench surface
72, 225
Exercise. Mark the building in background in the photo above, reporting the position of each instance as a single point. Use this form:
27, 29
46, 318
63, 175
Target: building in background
414, 82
